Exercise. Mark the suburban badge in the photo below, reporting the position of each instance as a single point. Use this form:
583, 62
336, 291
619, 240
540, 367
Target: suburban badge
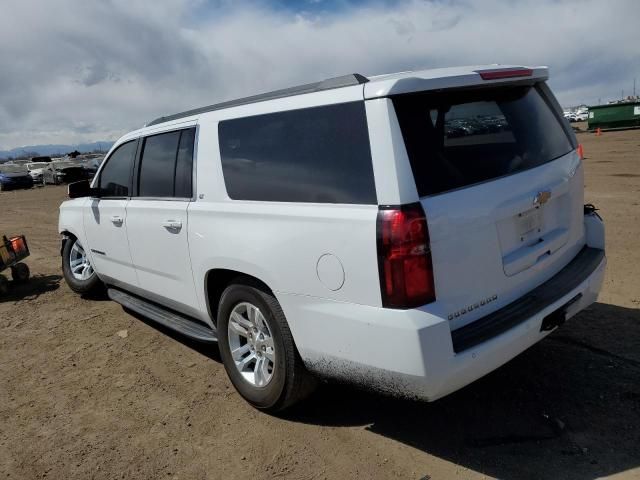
472, 307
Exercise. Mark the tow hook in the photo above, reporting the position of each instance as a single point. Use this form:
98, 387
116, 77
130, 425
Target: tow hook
553, 320
590, 209
559, 316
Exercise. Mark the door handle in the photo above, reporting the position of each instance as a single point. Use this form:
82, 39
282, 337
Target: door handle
116, 220
172, 224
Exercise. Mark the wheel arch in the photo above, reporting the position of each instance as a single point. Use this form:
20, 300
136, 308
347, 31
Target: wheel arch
217, 279
66, 236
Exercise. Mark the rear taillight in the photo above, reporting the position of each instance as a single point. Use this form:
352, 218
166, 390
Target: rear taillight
580, 151
404, 257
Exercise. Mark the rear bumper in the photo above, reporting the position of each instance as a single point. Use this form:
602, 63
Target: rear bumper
482, 358
415, 354
527, 306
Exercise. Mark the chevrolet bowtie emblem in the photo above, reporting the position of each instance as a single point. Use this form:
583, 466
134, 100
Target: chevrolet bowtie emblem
542, 197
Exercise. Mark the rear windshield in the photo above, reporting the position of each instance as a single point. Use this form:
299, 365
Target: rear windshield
456, 139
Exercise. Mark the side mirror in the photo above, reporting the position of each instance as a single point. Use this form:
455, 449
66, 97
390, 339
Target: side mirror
81, 189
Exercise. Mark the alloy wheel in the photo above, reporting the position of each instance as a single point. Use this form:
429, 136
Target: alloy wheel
251, 344
81, 268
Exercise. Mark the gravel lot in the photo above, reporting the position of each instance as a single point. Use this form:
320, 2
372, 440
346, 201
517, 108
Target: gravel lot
79, 401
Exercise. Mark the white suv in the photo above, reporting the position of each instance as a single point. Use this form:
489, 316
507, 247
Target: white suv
408, 232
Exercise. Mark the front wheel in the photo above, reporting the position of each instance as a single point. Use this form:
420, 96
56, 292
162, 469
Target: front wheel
77, 269
258, 350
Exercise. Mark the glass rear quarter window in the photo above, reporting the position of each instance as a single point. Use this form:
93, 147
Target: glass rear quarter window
318, 154
457, 139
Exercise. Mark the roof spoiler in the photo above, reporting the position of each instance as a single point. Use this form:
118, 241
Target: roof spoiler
448, 78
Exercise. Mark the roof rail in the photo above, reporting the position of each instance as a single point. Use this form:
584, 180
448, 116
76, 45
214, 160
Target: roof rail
328, 84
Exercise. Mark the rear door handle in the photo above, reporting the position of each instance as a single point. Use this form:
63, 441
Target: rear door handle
172, 224
116, 220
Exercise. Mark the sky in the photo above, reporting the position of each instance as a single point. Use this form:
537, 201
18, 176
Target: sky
76, 71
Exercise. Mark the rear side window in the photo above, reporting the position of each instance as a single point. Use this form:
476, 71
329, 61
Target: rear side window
458, 139
115, 177
318, 154
166, 165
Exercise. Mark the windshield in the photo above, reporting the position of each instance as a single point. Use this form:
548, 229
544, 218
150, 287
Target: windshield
456, 139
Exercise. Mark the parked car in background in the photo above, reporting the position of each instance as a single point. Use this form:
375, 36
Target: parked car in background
581, 116
36, 170
65, 171
576, 116
14, 177
408, 232
92, 164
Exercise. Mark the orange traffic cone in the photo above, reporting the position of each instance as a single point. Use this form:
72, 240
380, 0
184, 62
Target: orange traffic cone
598, 132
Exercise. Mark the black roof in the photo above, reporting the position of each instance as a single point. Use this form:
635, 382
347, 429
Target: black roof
328, 84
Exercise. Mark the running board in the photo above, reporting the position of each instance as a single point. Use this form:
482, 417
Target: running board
179, 323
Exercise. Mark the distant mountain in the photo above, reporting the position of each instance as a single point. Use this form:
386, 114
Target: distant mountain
54, 150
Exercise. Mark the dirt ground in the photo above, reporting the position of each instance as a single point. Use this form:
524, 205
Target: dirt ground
78, 401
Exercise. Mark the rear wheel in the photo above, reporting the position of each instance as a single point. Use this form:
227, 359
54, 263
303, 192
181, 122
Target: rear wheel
20, 272
4, 285
258, 351
77, 269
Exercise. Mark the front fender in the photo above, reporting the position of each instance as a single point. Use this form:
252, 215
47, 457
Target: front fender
71, 222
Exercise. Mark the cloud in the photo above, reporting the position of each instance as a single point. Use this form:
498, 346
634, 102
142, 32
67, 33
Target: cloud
78, 71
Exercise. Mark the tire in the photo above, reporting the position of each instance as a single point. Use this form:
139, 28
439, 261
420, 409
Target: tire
290, 382
20, 272
4, 285
83, 282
